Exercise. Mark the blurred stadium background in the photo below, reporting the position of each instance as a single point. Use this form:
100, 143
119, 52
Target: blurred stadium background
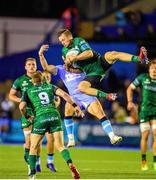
122, 25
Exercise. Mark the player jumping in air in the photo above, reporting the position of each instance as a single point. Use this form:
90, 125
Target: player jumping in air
78, 53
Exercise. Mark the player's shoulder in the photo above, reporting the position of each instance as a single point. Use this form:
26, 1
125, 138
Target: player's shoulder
143, 75
18, 81
79, 40
20, 77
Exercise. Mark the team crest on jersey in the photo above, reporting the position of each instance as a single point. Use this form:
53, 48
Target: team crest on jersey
147, 81
25, 83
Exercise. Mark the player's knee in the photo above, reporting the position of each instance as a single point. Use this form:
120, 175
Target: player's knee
82, 87
69, 111
60, 147
144, 136
34, 148
111, 55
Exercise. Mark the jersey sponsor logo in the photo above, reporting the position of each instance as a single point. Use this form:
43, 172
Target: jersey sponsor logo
25, 83
41, 129
39, 89
50, 119
147, 81
70, 77
151, 88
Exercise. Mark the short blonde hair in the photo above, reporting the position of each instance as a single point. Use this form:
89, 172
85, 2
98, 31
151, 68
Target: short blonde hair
37, 77
64, 31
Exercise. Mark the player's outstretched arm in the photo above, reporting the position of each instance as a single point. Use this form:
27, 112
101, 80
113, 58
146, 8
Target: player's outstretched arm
67, 98
50, 68
130, 105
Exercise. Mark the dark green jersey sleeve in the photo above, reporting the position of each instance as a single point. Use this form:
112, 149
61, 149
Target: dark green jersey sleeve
83, 45
16, 85
138, 80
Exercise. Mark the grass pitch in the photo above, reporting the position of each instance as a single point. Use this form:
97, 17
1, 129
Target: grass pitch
91, 163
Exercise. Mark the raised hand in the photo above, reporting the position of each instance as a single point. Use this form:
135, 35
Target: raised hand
43, 48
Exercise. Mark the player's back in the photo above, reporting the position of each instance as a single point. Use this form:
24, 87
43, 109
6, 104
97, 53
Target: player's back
42, 98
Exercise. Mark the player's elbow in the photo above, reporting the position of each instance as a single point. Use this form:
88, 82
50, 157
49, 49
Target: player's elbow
11, 96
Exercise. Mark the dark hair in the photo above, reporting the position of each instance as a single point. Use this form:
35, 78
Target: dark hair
63, 31
30, 59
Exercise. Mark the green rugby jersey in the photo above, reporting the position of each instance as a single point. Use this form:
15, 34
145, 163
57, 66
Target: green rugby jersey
91, 66
21, 84
148, 87
41, 97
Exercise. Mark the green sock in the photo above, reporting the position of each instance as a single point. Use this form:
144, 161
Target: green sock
154, 159
66, 156
26, 155
32, 162
135, 59
143, 157
101, 94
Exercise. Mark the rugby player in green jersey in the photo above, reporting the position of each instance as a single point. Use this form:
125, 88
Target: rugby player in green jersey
47, 118
78, 53
89, 103
19, 86
147, 115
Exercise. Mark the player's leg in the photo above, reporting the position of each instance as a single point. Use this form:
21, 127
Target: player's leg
35, 141
56, 129
113, 56
50, 152
59, 144
86, 86
69, 124
95, 109
38, 159
145, 130
153, 124
27, 133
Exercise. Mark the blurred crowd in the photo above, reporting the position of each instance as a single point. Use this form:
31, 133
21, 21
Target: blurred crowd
130, 25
